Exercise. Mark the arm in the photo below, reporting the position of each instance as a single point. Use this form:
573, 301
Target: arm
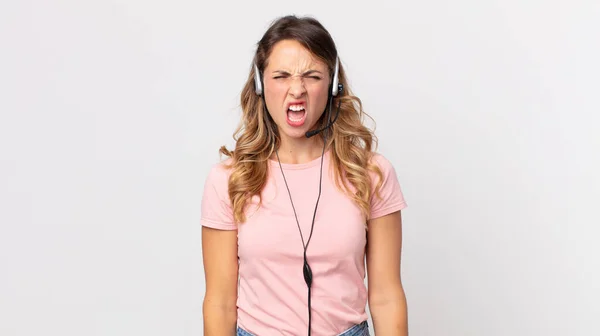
387, 300
219, 249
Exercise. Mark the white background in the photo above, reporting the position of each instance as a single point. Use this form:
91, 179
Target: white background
112, 113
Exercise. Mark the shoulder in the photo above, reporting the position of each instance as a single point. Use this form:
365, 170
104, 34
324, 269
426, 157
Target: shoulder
388, 196
217, 179
219, 172
380, 160
216, 206
383, 163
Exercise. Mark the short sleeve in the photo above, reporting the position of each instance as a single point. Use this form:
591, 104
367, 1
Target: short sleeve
216, 210
392, 198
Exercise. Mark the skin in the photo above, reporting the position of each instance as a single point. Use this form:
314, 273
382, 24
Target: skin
293, 74
387, 299
219, 252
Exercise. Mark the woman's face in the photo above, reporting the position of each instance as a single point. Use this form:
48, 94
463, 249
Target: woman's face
296, 85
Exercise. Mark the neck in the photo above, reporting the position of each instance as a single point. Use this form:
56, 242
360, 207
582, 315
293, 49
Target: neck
298, 151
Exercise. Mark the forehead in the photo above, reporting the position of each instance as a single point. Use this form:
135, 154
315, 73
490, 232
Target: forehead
290, 55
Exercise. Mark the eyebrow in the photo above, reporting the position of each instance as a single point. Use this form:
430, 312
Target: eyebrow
309, 72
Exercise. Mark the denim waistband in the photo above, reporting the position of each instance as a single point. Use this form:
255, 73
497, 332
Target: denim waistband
361, 329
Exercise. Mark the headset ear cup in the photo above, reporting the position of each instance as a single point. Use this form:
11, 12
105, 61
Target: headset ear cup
336, 78
257, 81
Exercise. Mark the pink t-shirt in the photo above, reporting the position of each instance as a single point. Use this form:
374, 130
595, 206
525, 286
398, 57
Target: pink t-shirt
272, 294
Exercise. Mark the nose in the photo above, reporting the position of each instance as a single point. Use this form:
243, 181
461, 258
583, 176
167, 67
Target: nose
297, 88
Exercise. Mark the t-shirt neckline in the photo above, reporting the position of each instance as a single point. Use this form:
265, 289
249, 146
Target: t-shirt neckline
299, 166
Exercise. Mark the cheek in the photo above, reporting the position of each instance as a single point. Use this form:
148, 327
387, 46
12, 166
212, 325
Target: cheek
275, 96
319, 99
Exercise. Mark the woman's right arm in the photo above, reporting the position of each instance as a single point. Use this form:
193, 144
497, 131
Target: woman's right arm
219, 249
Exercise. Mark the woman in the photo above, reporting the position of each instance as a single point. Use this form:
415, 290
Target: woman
290, 216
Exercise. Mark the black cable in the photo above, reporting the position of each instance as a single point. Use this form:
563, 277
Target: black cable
306, 270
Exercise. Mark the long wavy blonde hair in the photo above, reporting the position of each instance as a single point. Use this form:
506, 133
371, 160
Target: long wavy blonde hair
257, 138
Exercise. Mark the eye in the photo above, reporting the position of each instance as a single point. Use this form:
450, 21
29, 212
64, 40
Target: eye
314, 77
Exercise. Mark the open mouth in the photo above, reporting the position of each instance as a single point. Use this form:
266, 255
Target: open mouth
296, 114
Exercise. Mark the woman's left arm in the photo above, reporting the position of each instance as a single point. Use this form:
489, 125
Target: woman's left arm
387, 300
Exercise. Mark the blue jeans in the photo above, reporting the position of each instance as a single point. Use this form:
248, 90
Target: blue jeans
361, 329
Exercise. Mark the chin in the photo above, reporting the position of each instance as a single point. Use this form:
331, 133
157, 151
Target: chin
295, 133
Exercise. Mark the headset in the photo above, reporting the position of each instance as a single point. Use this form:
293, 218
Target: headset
335, 89
335, 86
